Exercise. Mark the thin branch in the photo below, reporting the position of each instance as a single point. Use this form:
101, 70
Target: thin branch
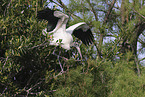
60, 73
139, 14
40, 45
93, 10
52, 91
30, 79
3, 91
109, 11
56, 3
4, 63
113, 48
62, 5
107, 2
7, 7
102, 30
33, 87
142, 59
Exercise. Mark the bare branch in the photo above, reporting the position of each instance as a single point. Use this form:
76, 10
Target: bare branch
93, 10
109, 11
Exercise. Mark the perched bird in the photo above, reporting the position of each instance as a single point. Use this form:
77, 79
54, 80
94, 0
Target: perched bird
57, 27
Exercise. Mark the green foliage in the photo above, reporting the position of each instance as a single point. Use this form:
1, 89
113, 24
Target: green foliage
29, 66
124, 81
76, 83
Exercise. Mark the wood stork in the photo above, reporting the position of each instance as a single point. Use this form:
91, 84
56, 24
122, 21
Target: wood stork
57, 27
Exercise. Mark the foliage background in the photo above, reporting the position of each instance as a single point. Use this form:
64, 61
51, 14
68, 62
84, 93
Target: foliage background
29, 66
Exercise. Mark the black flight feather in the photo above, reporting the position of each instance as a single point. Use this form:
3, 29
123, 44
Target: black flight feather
48, 14
85, 36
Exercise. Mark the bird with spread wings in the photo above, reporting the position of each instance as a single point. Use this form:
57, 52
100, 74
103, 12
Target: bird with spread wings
57, 26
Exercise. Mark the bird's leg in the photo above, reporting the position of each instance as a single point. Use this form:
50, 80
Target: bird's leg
75, 44
59, 56
58, 59
78, 48
60, 62
54, 51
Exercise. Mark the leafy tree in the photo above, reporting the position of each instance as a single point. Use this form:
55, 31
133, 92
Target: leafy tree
29, 66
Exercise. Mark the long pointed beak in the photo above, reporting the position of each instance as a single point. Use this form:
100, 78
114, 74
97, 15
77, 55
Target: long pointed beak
78, 48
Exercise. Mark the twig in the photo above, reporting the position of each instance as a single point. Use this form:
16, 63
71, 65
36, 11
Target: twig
109, 11
52, 91
43, 44
107, 2
60, 73
139, 14
7, 7
30, 79
3, 91
62, 5
59, 61
93, 10
142, 59
33, 87
4, 63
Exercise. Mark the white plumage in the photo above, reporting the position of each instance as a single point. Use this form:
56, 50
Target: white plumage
57, 27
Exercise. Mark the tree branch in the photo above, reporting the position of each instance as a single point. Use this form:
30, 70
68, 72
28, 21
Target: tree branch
93, 10
137, 65
109, 11
142, 59
139, 14
62, 5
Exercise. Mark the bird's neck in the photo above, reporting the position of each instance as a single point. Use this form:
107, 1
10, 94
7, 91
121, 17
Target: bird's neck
61, 29
61, 26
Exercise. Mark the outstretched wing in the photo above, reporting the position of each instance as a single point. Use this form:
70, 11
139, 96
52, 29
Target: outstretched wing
48, 14
81, 31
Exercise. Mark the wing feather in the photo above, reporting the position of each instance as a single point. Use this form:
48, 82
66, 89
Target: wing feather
81, 31
48, 14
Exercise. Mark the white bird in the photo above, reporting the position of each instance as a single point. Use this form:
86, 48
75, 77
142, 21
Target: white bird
57, 27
